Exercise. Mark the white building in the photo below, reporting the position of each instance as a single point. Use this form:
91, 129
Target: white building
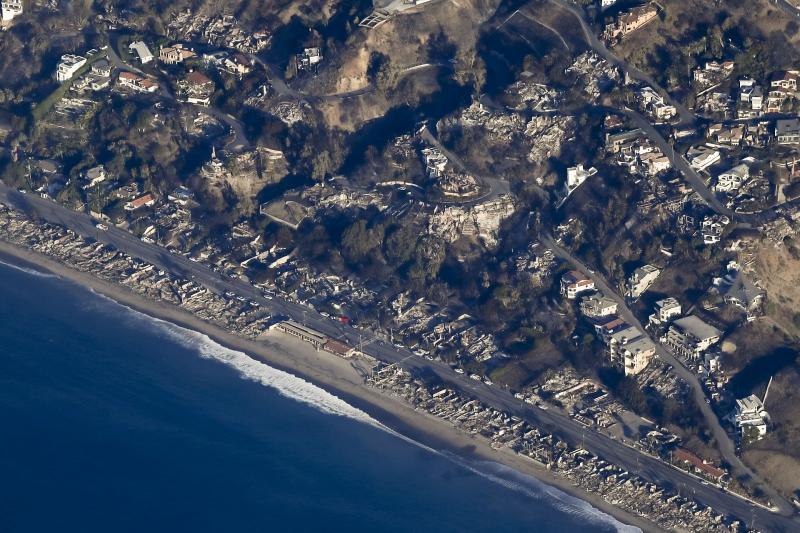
733, 179
636, 355
596, 306
750, 417
95, 175
641, 279
702, 157
629, 348
574, 283
68, 66
11, 9
666, 310
689, 337
141, 50
577, 175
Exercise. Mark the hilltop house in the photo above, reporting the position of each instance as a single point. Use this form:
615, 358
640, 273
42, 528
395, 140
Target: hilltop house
172, 55
640, 280
733, 179
750, 417
142, 51
574, 283
689, 337
68, 66
630, 21
738, 289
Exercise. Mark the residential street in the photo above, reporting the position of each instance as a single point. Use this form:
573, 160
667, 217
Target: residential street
723, 440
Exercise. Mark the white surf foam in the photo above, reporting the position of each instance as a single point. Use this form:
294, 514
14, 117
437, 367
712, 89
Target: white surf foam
30, 271
539, 490
296, 388
284, 383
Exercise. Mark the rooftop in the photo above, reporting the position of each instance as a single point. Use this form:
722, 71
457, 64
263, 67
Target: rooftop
697, 328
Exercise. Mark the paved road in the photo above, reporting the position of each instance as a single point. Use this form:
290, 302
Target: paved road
550, 420
724, 442
686, 116
494, 187
695, 181
238, 142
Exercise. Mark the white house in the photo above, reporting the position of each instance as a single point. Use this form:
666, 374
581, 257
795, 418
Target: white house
732, 179
574, 283
596, 306
11, 9
750, 417
702, 157
666, 310
68, 66
636, 355
641, 279
577, 175
141, 50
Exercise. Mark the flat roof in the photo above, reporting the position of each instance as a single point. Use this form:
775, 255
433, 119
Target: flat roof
696, 327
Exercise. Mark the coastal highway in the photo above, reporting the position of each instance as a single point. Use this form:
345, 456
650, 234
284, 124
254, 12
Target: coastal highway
724, 442
551, 420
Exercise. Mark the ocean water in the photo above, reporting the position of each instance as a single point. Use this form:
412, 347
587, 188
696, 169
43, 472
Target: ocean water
111, 422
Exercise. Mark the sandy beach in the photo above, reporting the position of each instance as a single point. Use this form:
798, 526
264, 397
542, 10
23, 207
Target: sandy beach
337, 376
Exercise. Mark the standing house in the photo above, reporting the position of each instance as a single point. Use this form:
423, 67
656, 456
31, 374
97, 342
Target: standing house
146, 200
689, 337
574, 283
732, 179
11, 9
702, 157
576, 176
172, 55
787, 131
137, 83
596, 306
630, 21
142, 51
636, 355
750, 417
640, 280
628, 347
665, 310
68, 66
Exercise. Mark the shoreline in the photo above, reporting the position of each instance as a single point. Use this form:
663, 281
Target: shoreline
332, 374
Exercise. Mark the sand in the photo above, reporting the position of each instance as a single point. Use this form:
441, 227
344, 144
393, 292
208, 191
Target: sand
337, 376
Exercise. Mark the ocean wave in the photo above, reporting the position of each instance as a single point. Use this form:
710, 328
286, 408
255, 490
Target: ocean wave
298, 389
534, 488
286, 384
31, 271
